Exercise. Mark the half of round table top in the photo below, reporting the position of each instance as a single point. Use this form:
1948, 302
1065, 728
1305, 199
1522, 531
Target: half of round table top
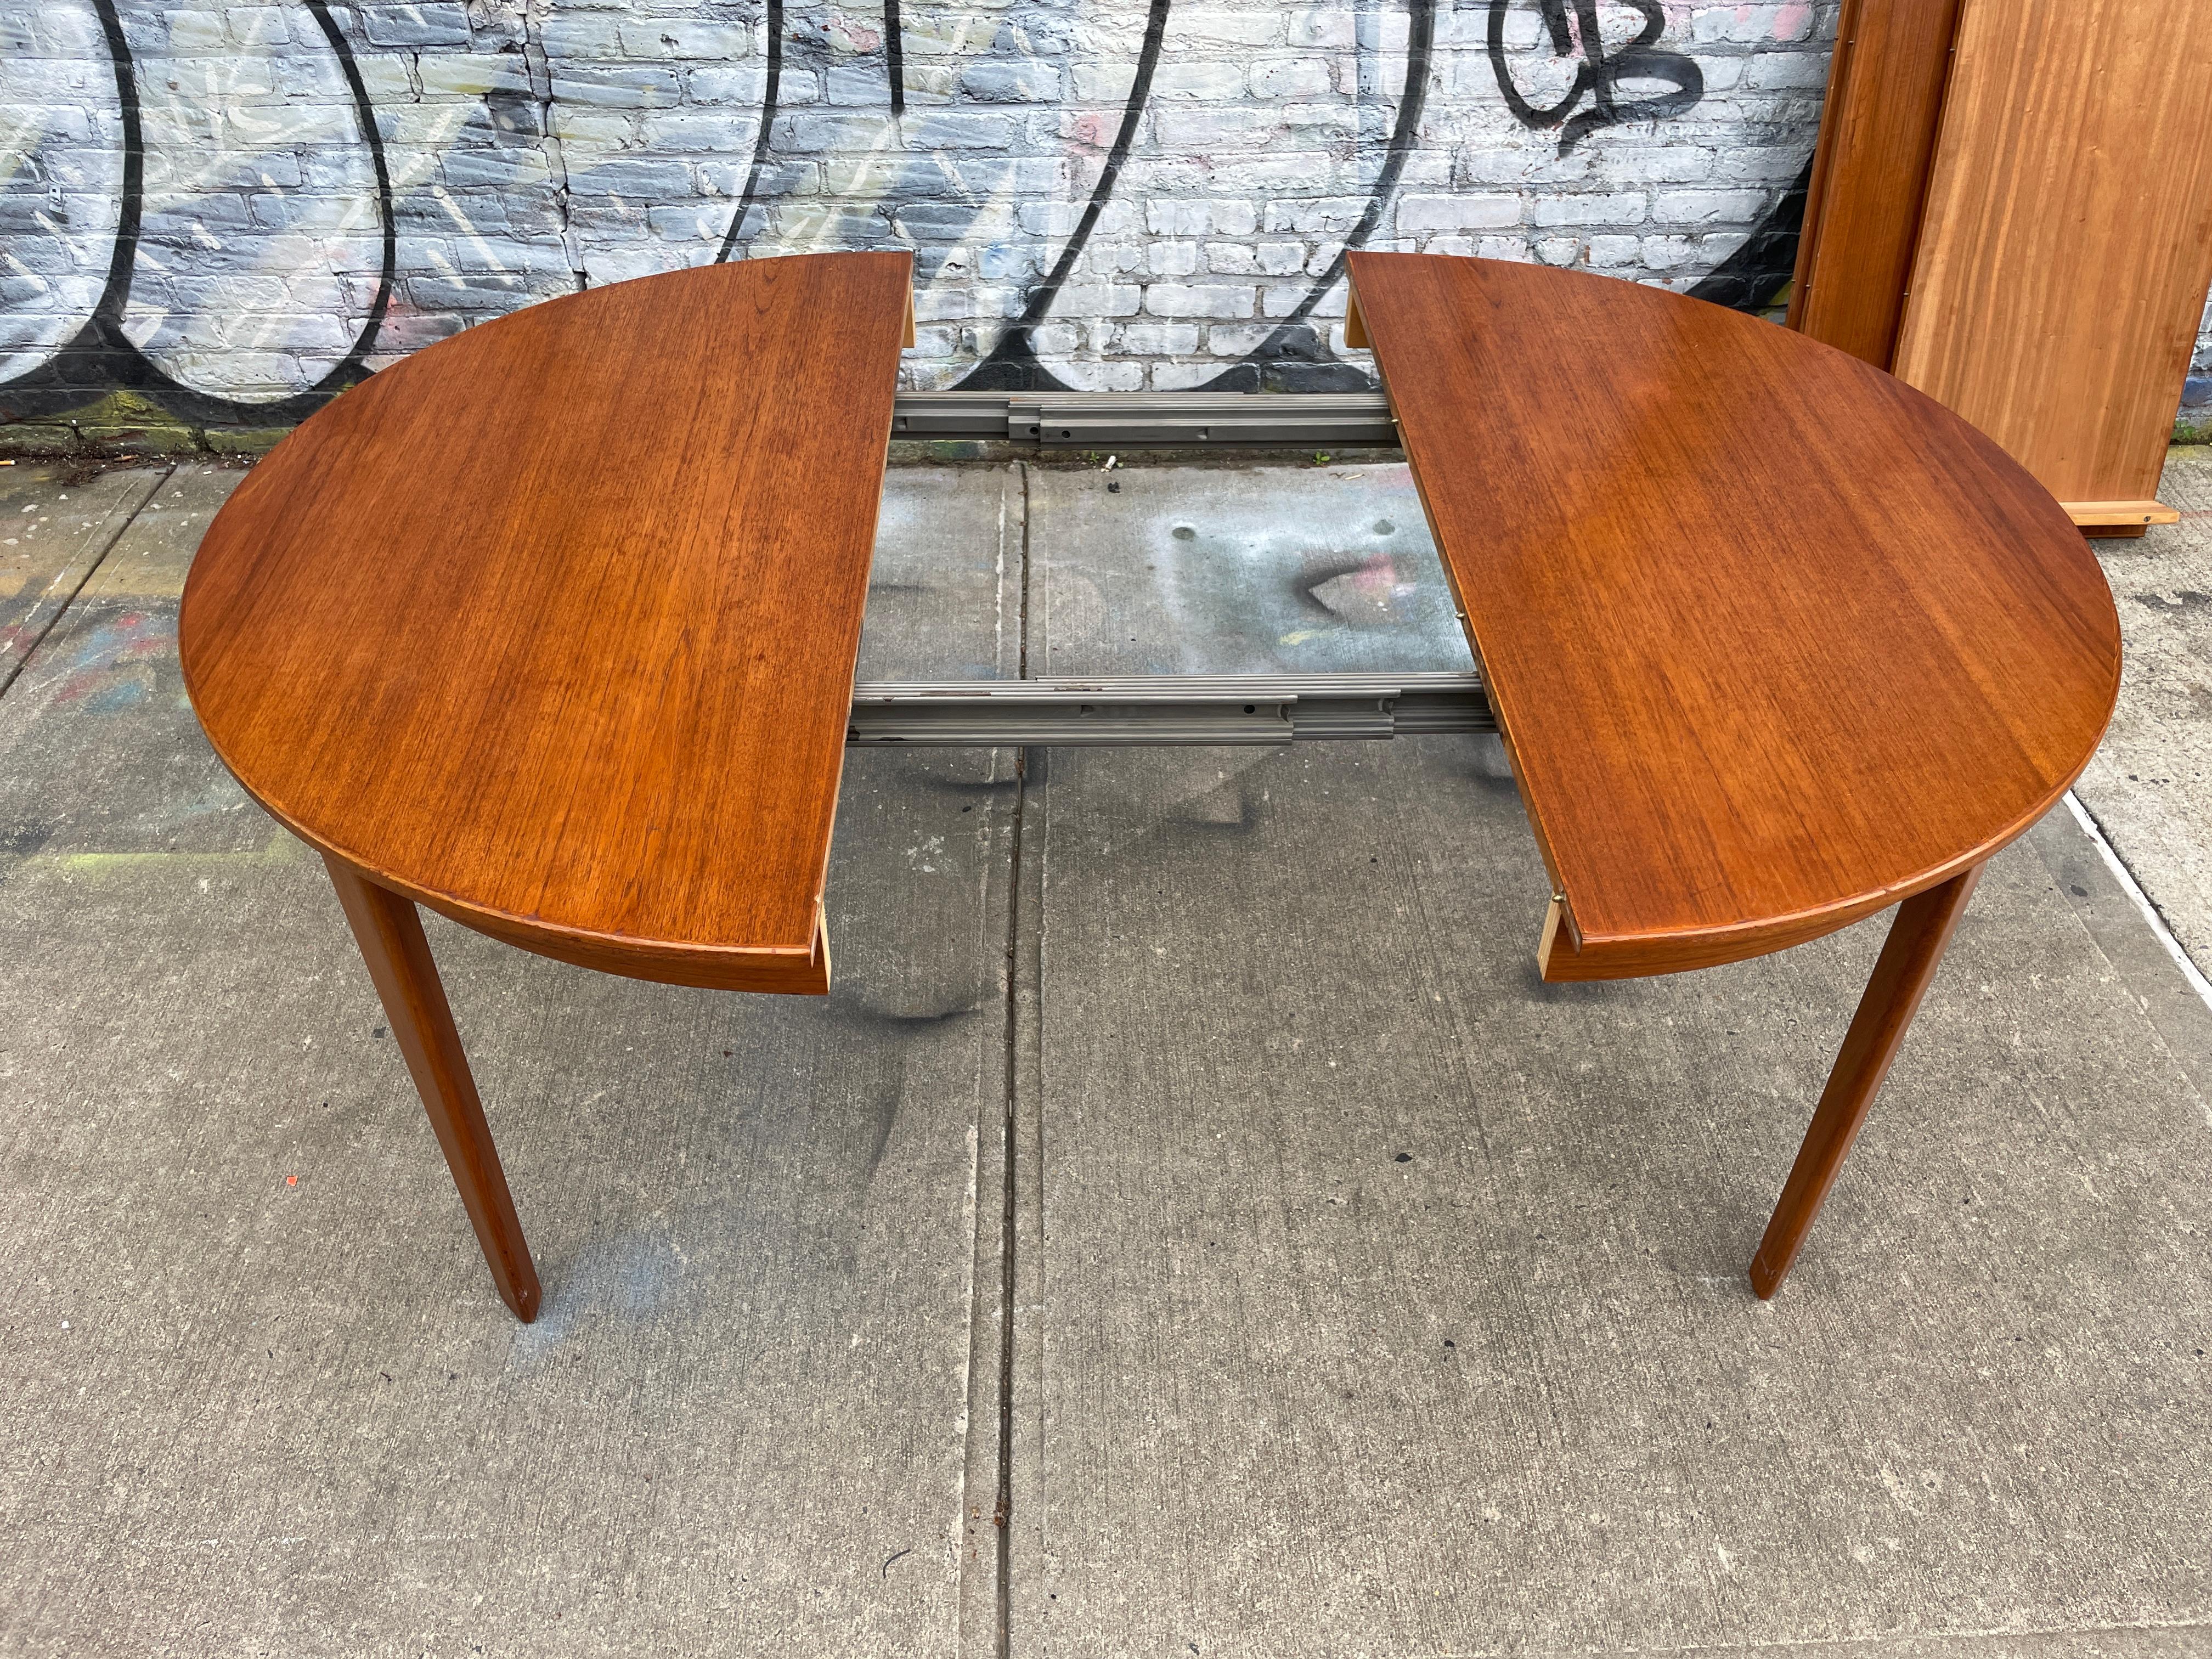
1774, 640
552, 625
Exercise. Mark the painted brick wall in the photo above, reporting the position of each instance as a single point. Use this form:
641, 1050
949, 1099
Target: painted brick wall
227, 211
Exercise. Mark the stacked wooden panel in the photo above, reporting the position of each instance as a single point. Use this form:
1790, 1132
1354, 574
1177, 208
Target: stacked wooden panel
2012, 210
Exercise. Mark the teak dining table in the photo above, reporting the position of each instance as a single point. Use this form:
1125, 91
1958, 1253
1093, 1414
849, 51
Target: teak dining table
552, 628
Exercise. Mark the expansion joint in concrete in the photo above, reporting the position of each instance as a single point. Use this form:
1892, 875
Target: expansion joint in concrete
1002, 1510
69, 584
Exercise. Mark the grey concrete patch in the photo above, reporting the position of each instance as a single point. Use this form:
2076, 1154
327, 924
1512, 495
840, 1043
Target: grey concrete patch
55, 527
1166, 571
2151, 785
2173, 1008
258, 1394
1377, 1298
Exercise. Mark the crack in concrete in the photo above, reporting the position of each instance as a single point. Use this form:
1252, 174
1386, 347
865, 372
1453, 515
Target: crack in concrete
29, 644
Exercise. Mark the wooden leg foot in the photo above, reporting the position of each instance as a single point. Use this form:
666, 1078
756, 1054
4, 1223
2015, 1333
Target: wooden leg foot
1923, 927
389, 932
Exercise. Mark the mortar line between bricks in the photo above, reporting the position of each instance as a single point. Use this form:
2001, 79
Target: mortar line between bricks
1002, 1511
10, 675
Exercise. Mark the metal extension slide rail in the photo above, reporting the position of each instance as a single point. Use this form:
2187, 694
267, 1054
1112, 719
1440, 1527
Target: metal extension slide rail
1168, 709
1163, 709
1094, 420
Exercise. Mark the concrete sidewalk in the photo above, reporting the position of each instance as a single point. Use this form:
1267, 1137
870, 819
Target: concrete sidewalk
1188, 1227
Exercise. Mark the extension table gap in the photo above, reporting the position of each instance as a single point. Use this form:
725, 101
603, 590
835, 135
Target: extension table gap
1773, 642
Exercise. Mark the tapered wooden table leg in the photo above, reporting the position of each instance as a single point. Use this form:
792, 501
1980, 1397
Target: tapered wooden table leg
389, 932
1923, 927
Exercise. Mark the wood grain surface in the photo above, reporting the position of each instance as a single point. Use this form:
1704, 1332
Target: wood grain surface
1774, 640
1870, 173
1910, 957
389, 930
551, 627
2067, 240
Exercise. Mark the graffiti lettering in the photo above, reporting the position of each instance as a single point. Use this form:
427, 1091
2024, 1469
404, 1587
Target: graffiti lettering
102, 356
228, 241
1599, 74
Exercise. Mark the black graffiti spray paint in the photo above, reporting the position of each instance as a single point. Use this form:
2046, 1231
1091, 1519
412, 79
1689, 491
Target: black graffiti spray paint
895, 58
1012, 365
771, 89
1748, 279
100, 356
1599, 73
1289, 359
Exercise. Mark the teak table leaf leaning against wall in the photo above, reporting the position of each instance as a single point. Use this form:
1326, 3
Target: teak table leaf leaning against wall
2011, 209
606, 725
1774, 641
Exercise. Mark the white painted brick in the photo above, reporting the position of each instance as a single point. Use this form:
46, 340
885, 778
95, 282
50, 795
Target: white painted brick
702, 221
679, 134
195, 31
595, 132
438, 23
717, 83
1099, 300
1160, 339
682, 38
1666, 253
1705, 207
1236, 339
1107, 83
1453, 212
934, 305
1291, 78
1202, 218
469, 74
852, 85
1317, 123
1050, 219
935, 342
1242, 29
1773, 71
1010, 80
1197, 79
1210, 129
1163, 258
1618, 208
1323, 25
1182, 377
1197, 300
1282, 301
261, 26
1112, 258
587, 38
